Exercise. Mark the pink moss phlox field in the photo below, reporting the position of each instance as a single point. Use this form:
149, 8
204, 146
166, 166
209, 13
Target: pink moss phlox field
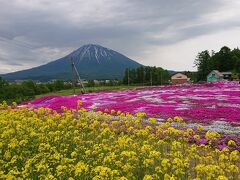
201, 103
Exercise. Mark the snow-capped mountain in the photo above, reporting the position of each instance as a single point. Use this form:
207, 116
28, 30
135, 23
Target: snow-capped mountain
92, 61
93, 52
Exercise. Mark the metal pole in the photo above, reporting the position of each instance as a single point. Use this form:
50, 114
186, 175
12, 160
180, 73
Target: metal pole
79, 79
73, 77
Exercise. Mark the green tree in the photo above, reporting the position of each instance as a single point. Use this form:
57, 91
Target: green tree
203, 65
58, 85
28, 89
42, 89
90, 83
126, 76
224, 60
3, 83
237, 66
147, 75
29, 84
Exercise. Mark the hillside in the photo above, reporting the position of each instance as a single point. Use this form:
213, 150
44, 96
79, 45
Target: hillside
92, 62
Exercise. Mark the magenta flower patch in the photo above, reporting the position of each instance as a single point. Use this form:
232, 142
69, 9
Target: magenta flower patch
197, 103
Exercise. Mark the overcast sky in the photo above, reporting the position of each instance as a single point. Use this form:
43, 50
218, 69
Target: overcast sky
165, 33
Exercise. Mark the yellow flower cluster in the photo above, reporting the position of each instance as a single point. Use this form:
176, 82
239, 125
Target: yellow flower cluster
76, 144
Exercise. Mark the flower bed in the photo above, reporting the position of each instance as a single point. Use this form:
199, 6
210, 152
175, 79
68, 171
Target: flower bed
199, 103
77, 144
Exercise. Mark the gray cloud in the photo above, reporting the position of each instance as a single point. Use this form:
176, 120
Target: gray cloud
36, 32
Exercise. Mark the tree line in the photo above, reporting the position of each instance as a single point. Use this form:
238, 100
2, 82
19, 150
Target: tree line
225, 60
146, 75
28, 89
18, 92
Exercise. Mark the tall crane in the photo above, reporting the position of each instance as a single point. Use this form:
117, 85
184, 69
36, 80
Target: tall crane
76, 78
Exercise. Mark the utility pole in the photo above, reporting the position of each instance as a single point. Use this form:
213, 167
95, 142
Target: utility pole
73, 77
76, 78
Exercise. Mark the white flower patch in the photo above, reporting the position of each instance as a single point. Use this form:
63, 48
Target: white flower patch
152, 99
222, 127
181, 108
94, 106
141, 109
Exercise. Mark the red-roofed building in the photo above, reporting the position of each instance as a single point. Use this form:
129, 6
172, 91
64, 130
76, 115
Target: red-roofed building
179, 78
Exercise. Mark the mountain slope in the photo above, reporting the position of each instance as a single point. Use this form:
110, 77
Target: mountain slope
92, 62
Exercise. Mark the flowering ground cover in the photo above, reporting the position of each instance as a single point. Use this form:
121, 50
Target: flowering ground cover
214, 105
78, 144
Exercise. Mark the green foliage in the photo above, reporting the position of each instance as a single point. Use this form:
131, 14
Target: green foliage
203, 64
3, 83
224, 60
13, 92
58, 84
103, 83
191, 75
146, 75
90, 83
42, 89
